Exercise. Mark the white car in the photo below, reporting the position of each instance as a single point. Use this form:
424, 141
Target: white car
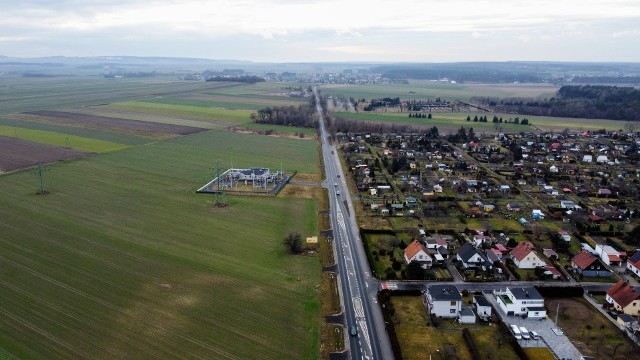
525, 333
534, 335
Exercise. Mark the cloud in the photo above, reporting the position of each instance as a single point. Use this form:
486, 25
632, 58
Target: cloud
626, 34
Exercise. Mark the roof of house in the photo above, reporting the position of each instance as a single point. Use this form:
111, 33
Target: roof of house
466, 311
552, 270
527, 292
635, 260
583, 259
626, 318
501, 247
467, 251
623, 294
444, 292
522, 250
549, 252
481, 300
412, 249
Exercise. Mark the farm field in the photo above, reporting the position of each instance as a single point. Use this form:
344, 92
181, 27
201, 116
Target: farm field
63, 140
177, 278
17, 154
420, 89
455, 120
307, 132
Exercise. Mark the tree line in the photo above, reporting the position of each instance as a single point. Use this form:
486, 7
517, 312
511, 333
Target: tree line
582, 101
301, 116
250, 79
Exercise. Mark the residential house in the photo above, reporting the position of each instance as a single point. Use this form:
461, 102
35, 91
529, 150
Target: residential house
521, 301
411, 202
480, 239
417, 252
609, 255
624, 298
633, 264
494, 255
626, 320
483, 307
525, 256
470, 257
443, 300
585, 264
587, 158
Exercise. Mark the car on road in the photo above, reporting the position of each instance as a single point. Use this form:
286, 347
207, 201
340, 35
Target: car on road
338, 175
353, 331
335, 184
337, 192
525, 333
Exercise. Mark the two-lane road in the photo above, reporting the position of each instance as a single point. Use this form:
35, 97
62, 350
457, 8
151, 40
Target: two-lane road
359, 288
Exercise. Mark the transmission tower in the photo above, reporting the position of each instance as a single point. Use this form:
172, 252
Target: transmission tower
220, 201
42, 190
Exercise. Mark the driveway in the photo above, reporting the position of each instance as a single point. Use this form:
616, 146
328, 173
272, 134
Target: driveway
550, 335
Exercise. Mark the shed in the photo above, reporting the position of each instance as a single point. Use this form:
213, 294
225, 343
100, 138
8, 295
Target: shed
483, 307
466, 315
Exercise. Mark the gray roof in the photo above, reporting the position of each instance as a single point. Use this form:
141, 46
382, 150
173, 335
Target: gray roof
481, 300
527, 292
467, 251
444, 292
466, 311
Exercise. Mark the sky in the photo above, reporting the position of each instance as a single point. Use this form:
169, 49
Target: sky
325, 31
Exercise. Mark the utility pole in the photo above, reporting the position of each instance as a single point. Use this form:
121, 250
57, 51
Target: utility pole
557, 311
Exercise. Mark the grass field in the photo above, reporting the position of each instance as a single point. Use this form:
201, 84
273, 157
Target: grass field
58, 139
84, 132
124, 260
458, 119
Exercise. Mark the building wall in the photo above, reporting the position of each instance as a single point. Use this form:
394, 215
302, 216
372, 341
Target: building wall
445, 309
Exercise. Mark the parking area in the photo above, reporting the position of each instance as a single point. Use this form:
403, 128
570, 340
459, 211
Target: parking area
550, 335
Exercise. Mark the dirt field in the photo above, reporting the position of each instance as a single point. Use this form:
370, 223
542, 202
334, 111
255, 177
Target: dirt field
17, 154
590, 331
114, 124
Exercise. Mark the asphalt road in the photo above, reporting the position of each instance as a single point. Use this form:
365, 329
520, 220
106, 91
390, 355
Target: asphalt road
358, 288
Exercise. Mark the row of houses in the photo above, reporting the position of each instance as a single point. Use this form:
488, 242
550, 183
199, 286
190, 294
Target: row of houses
445, 301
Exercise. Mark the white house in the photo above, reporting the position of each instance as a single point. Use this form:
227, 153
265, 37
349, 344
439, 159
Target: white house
609, 255
525, 256
483, 307
587, 158
564, 235
417, 252
602, 159
443, 300
470, 257
633, 264
521, 301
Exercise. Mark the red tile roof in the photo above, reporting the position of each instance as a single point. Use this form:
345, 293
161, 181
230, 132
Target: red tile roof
553, 270
583, 259
412, 249
522, 250
623, 294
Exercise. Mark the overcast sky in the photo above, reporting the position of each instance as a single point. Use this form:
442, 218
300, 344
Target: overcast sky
328, 30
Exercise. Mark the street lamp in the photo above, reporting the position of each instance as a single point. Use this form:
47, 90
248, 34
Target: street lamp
436, 350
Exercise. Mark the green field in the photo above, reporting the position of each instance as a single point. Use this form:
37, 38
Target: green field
456, 119
109, 136
124, 260
58, 139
